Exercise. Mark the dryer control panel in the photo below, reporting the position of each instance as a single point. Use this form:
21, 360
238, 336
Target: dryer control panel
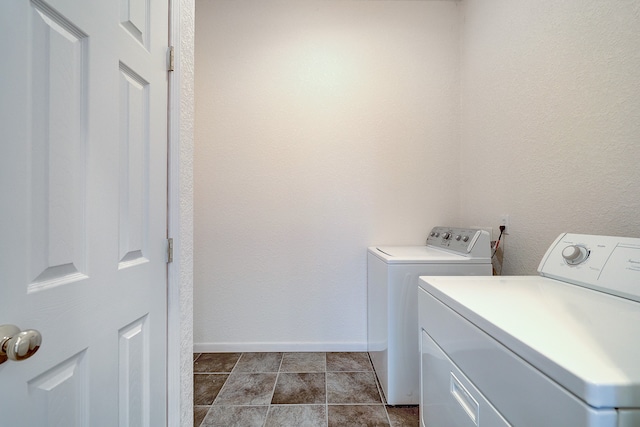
463, 240
605, 263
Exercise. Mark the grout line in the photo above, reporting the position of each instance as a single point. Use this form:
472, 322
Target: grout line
236, 364
273, 390
379, 387
225, 381
326, 392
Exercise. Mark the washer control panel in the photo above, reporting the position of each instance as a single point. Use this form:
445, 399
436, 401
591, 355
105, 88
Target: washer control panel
605, 263
463, 240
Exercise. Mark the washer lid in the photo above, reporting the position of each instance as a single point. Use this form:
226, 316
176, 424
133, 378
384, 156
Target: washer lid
422, 255
585, 340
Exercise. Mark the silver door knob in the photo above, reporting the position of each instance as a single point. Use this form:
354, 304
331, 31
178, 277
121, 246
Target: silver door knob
18, 345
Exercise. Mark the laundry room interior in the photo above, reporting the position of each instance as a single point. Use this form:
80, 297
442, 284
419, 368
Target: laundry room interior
323, 128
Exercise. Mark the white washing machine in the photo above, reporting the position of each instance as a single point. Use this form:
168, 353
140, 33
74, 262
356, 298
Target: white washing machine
556, 350
392, 306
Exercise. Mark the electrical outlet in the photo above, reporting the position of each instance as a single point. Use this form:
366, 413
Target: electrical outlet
504, 220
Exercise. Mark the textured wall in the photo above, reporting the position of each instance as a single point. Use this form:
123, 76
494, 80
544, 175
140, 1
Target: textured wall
550, 129
186, 69
322, 127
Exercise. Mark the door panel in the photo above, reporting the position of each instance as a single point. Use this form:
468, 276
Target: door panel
134, 161
57, 105
58, 396
83, 110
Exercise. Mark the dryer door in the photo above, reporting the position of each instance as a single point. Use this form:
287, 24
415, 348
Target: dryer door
447, 397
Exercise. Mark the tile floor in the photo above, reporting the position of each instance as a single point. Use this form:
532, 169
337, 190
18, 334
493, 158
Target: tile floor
291, 390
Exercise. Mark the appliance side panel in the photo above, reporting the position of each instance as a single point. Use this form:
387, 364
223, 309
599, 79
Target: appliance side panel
377, 332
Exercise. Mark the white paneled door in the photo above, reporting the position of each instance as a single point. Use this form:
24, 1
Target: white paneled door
83, 161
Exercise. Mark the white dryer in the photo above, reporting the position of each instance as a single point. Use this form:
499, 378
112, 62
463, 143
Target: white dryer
555, 350
392, 306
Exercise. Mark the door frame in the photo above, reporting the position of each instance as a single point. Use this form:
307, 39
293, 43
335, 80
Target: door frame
180, 215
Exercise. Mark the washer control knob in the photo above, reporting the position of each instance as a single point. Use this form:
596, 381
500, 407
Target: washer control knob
437, 234
458, 237
433, 233
446, 236
575, 254
465, 239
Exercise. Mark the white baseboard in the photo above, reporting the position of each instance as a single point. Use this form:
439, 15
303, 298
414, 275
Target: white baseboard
242, 347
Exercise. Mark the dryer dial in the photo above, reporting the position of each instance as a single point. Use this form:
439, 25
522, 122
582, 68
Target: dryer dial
575, 254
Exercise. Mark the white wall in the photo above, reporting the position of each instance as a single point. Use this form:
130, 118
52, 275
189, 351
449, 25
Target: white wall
322, 127
181, 217
550, 129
